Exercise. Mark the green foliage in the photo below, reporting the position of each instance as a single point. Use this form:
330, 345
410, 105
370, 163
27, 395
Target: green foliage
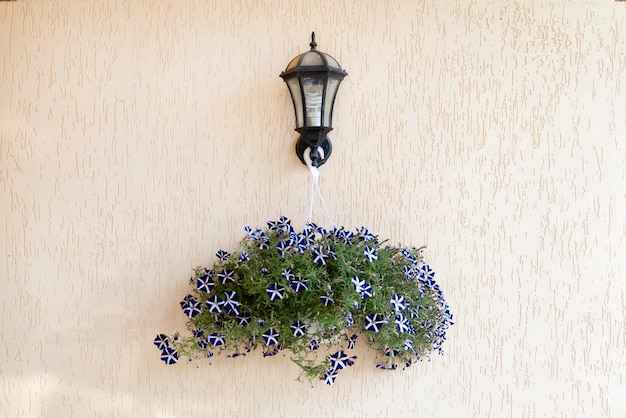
260, 297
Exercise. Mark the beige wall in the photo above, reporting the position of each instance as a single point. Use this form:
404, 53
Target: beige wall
137, 138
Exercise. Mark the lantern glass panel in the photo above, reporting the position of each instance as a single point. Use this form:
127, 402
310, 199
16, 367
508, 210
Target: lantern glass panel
294, 89
331, 91
311, 59
313, 89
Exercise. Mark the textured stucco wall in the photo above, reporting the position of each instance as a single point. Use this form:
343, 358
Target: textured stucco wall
137, 138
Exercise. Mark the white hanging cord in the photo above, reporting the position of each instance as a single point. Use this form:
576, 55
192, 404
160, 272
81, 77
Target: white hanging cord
315, 185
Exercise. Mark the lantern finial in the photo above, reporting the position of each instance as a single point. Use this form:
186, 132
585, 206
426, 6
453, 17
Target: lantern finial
313, 44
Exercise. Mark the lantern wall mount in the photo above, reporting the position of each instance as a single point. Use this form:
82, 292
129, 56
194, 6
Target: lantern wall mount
313, 80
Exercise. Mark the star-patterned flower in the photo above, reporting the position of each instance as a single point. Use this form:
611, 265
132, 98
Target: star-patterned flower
362, 287
352, 341
203, 343
402, 323
389, 352
339, 360
327, 299
307, 236
330, 376
243, 257
330, 252
264, 244
283, 246
275, 291
226, 276
397, 302
287, 275
298, 328
409, 272
408, 345
271, 336
374, 322
299, 284
314, 345
217, 339
284, 222
370, 254
169, 355
244, 318
198, 332
215, 304
205, 283
222, 255
428, 275
318, 256
161, 341
192, 308
231, 303
349, 320
366, 235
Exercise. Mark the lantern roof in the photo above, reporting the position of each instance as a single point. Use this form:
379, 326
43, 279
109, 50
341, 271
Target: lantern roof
314, 60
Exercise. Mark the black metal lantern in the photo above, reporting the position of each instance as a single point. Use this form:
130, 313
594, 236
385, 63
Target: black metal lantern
313, 79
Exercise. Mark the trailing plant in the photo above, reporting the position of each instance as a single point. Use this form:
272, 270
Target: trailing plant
284, 290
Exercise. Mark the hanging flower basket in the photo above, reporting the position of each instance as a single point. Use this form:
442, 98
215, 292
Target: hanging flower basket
284, 290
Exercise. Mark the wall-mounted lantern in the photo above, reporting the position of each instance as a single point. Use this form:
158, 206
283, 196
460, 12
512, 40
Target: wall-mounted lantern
313, 79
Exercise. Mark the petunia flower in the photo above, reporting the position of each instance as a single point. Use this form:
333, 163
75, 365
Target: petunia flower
318, 256
397, 302
161, 341
226, 276
402, 323
203, 343
192, 308
352, 341
215, 304
264, 244
362, 287
327, 299
231, 303
283, 246
330, 376
244, 256
374, 322
198, 332
287, 274
169, 355
366, 235
298, 328
217, 339
222, 255
349, 320
275, 291
244, 318
370, 254
338, 361
205, 283
299, 284
366, 291
314, 345
271, 336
